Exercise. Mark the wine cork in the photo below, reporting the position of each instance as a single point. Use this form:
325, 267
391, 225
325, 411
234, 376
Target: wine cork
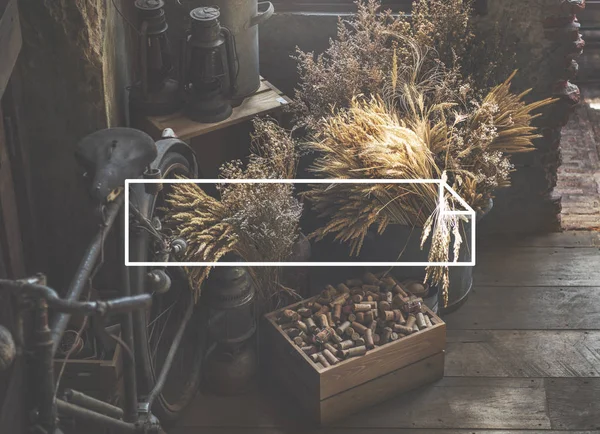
389, 297
369, 317
314, 356
349, 331
421, 321
394, 336
288, 316
369, 339
305, 312
355, 337
376, 338
373, 326
302, 326
299, 341
337, 312
322, 320
312, 327
357, 298
357, 351
386, 335
428, 321
309, 349
398, 317
411, 321
329, 347
397, 289
330, 320
345, 344
336, 338
329, 291
324, 335
402, 329
330, 357
343, 288
340, 299
316, 307
323, 361
351, 317
384, 305
360, 317
347, 309
359, 327
415, 328
360, 341
369, 297
398, 301
293, 332
388, 282
388, 315
362, 307
374, 296
342, 327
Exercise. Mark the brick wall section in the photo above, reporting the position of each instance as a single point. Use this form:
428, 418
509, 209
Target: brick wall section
549, 43
579, 174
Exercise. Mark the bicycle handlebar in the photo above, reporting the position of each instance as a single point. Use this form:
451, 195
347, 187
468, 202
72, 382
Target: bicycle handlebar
117, 305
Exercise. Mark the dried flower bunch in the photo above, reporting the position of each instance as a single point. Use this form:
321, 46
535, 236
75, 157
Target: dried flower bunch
393, 99
257, 221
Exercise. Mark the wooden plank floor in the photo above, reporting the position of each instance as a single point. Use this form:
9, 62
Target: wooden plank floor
523, 356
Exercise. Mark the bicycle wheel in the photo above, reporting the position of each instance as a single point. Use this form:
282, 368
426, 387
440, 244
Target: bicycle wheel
155, 328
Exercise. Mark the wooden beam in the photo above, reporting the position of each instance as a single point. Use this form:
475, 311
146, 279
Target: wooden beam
10, 42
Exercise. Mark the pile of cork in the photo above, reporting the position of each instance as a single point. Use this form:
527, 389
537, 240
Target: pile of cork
355, 317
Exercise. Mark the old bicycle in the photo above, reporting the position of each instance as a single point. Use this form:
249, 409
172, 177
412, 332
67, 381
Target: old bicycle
159, 322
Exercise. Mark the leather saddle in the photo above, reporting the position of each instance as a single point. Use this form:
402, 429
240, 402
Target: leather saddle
111, 156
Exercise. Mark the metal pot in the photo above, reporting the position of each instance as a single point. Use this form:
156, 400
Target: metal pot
242, 18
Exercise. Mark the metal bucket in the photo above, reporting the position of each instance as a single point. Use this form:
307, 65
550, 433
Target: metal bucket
404, 242
242, 18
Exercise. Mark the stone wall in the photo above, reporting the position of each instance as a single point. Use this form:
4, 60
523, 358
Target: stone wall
529, 205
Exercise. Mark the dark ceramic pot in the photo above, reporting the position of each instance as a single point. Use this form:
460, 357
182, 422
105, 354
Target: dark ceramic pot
403, 244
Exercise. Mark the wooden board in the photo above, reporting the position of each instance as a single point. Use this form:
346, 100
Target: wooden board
511, 353
528, 308
10, 41
538, 266
574, 403
401, 381
558, 239
474, 403
267, 99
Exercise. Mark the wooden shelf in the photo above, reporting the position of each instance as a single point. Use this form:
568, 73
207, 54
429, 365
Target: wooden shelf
266, 100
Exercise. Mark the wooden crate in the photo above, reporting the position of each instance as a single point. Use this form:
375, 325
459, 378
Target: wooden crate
328, 394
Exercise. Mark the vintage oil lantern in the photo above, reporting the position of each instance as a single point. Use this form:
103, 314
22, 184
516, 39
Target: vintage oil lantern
156, 92
231, 362
209, 65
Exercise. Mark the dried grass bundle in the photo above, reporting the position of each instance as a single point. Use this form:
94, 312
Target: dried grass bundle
368, 141
259, 222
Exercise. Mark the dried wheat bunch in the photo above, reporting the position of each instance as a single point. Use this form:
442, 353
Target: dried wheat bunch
199, 219
369, 141
257, 221
444, 230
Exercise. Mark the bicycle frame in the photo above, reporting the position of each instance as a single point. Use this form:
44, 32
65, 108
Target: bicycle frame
136, 415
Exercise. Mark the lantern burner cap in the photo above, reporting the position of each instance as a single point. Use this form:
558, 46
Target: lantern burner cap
205, 13
149, 5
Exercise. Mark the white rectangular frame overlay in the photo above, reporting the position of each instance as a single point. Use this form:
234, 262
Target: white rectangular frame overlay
442, 185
